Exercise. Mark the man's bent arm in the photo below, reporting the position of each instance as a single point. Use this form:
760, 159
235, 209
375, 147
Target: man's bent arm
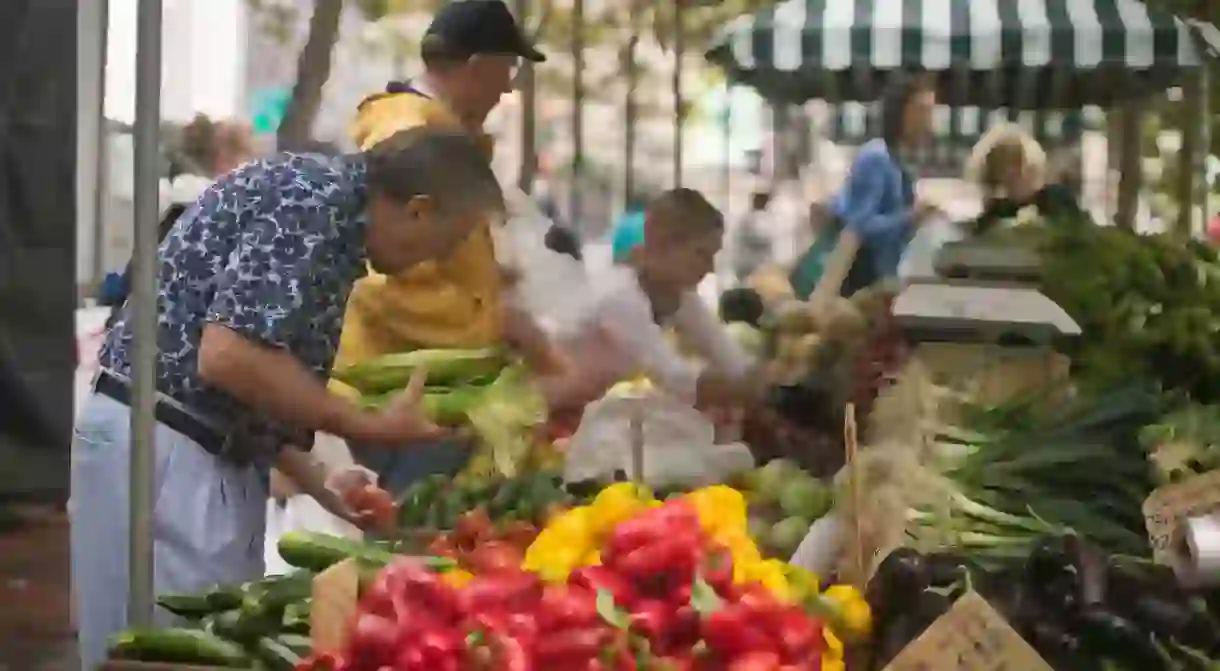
276, 383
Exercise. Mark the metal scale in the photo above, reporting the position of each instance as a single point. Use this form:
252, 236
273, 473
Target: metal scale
982, 324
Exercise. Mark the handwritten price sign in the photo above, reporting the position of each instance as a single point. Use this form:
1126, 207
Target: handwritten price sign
971, 636
1166, 508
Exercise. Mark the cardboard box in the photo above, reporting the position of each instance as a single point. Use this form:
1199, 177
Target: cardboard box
333, 604
993, 373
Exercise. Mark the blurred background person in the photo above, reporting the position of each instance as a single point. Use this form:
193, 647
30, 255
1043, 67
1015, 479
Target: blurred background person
1012, 171
751, 245
207, 149
878, 201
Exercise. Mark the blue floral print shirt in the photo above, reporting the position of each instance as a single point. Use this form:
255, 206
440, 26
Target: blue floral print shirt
271, 250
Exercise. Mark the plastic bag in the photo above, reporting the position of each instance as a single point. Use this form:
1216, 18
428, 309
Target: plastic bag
303, 513
679, 443
820, 549
553, 288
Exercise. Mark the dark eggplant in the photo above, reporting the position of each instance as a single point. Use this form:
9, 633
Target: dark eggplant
946, 568
898, 583
1060, 647
1048, 561
1180, 621
1105, 634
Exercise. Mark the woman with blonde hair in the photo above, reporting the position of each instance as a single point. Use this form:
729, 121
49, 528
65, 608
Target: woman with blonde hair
1011, 169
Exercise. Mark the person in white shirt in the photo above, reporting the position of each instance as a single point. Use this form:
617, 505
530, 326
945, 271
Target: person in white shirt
634, 302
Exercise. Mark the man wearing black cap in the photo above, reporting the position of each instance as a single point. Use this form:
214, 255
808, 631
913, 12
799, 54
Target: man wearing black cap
470, 53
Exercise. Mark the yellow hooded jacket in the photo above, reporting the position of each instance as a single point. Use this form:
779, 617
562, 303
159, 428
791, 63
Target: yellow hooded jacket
451, 303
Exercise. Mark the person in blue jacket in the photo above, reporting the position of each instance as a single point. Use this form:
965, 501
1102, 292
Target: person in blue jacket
878, 200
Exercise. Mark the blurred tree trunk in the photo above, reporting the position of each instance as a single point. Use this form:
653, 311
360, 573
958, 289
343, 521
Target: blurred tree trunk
528, 86
313, 70
679, 43
631, 113
575, 209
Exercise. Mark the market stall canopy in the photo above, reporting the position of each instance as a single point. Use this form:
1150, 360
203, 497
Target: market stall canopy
1033, 54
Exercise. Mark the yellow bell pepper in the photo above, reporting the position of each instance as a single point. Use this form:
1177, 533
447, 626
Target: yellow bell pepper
617, 503
562, 546
594, 558
768, 573
743, 550
721, 509
852, 613
573, 526
832, 656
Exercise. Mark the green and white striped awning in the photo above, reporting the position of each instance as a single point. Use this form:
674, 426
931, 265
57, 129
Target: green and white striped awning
989, 53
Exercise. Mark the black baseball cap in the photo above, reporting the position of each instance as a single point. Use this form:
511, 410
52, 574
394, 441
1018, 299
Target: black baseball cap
482, 27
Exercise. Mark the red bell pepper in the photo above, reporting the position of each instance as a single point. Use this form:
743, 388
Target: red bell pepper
510, 654
717, 569
798, 635
631, 534
374, 639
675, 556
572, 648
409, 659
512, 592
677, 514
652, 619
600, 578
732, 631
565, 606
679, 594
759, 660
440, 643
683, 633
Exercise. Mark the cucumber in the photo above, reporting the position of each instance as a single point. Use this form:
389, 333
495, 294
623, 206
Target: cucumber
277, 656
296, 618
179, 646
189, 606
318, 552
225, 597
225, 624
287, 589
302, 645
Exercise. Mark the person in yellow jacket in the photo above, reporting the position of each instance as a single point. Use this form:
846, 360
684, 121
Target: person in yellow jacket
470, 52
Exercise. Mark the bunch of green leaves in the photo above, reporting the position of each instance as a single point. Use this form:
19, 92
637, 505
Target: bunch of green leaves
1148, 305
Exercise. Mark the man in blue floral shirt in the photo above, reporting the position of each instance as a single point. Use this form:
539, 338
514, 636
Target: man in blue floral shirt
253, 283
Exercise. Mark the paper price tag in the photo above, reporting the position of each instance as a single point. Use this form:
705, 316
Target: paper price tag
971, 636
1167, 507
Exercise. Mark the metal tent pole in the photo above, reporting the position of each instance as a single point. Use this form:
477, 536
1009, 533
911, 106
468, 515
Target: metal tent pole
147, 137
91, 132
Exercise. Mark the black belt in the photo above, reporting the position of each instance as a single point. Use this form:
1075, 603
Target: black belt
174, 418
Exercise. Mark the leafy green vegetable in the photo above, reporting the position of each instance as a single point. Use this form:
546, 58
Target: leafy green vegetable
1148, 305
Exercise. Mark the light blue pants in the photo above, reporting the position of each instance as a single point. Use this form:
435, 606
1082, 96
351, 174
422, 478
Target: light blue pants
208, 521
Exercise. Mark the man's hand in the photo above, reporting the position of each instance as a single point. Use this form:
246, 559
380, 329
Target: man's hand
346, 493
402, 420
356, 499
